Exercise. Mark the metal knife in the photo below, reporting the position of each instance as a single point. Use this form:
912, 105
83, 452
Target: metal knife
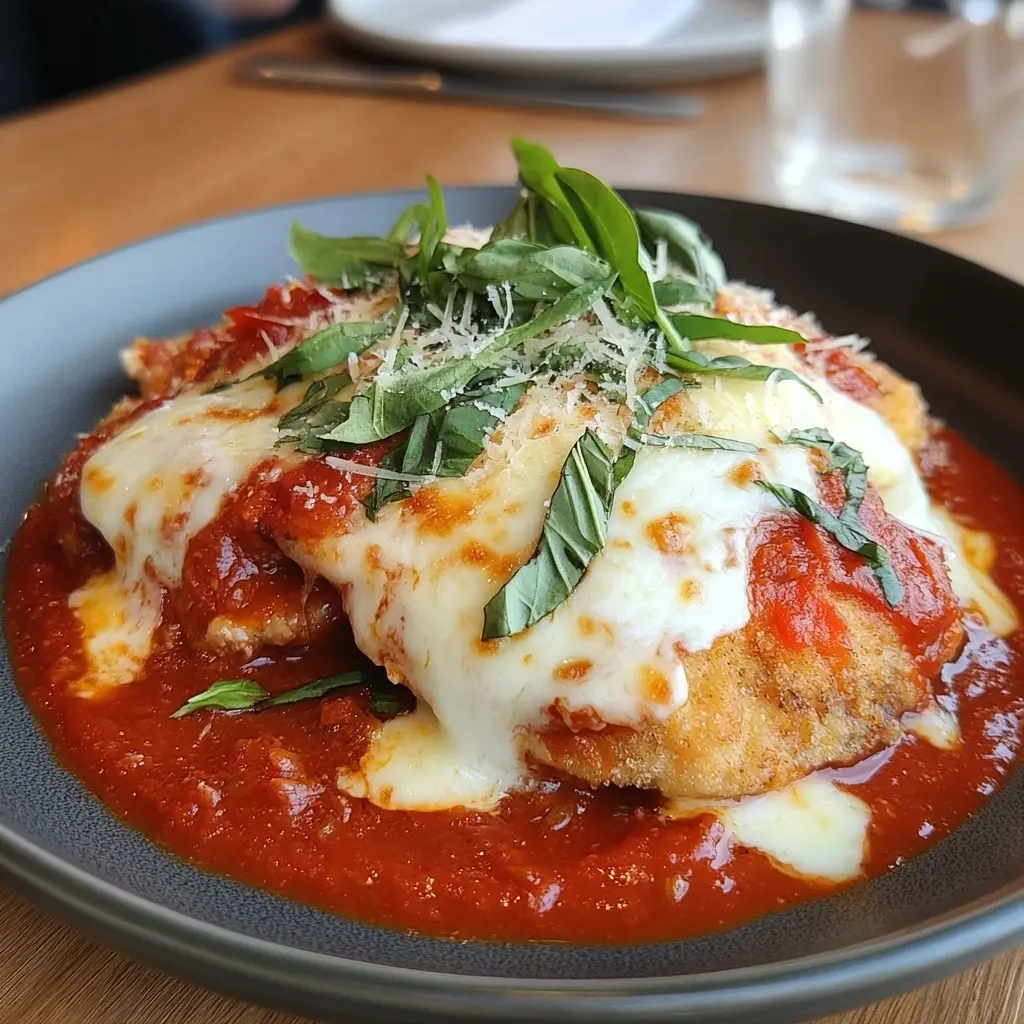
269, 69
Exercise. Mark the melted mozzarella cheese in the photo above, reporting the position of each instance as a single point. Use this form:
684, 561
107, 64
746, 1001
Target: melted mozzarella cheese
969, 574
671, 578
416, 764
117, 625
816, 828
153, 486
762, 413
935, 725
148, 491
812, 828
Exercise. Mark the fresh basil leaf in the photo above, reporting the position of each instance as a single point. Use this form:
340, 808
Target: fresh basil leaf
401, 231
528, 220
673, 291
433, 225
614, 234
574, 531
647, 403
688, 246
587, 213
325, 349
689, 440
516, 223
393, 404
468, 424
735, 367
388, 699
414, 457
533, 271
850, 535
842, 459
318, 687
318, 394
695, 327
537, 171
226, 694
350, 262
540, 228
570, 305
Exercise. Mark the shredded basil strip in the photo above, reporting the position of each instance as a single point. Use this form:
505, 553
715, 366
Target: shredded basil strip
318, 687
444, 443
649, 402
707, 442
696, 327
574, 531
735, 367
673, 291
318, 394
227, 695
842, 459
392, 404
326, 349
386, 699
687, 244
850, 534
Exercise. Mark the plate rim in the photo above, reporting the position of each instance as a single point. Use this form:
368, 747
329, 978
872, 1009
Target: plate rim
827, 981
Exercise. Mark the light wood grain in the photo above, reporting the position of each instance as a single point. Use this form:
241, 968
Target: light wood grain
191, 144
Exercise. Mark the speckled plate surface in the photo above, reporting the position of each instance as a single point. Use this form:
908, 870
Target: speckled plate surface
944, 322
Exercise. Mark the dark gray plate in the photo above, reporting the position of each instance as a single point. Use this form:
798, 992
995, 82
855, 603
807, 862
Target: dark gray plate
945, 322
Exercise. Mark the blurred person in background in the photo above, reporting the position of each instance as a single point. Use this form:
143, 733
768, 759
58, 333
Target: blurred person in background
54, 48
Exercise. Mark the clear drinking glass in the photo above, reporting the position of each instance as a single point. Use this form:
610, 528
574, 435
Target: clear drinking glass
895, 115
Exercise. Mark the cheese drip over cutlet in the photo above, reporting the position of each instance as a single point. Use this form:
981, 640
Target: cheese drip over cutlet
671, 578
148, 491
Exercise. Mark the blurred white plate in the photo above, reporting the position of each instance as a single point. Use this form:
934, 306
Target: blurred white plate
608, 42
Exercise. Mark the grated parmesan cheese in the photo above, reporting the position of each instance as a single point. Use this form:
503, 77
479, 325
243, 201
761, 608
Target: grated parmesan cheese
375, 472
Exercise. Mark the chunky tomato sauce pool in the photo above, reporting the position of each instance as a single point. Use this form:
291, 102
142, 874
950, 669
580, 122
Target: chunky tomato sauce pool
255, 796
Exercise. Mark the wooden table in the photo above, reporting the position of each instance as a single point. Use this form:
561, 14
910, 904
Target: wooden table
87, 176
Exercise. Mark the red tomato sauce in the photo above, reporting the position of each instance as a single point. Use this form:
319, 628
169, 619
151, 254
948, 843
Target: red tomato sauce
798, 573
246, 333
253, 795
